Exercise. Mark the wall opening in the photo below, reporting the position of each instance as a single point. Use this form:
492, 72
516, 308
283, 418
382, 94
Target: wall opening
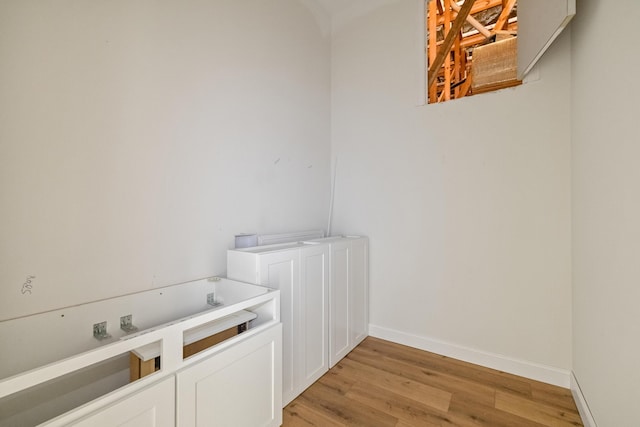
471, 47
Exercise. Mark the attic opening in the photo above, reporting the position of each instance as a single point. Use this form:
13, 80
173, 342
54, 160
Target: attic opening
471, 47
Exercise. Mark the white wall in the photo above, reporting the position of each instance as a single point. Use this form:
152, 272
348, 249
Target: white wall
606, 210
467, 203
136, 138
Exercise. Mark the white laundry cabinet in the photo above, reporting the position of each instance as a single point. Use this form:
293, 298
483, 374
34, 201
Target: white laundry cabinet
55, 372
153, 406
324, 300
301, 272
236, 387
349, 294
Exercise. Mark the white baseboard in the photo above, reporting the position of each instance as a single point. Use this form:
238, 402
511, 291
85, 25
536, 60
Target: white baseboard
523, 368
581, 403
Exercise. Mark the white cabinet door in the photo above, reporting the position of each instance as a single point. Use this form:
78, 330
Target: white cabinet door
153, 406
313, 337
339, 301
359, 291
240, 386
280, 270
348, 295
302, 276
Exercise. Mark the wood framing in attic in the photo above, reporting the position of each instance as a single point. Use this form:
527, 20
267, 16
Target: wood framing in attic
457, 29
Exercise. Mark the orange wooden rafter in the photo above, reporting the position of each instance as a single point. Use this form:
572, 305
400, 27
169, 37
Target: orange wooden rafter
447, 59
445, 49
473, 21
479, 38
433, 40
504, 15
457, 63
464, 87
478, 6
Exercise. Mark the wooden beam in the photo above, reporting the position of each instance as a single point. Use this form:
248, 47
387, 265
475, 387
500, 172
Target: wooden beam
445, 49
457, 64
464, 88
482, 5
504, 15
478, 6
447, 58
432, 16
473, 21
439, 5
498, 86
468, 41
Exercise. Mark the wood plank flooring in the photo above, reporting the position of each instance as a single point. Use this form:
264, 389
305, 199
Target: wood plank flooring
385, 384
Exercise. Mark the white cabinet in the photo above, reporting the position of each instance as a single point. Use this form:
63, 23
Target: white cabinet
313, 315
359, 287
153, 406
235, 382
324, 286
349, 294
339, 344
300, 272
241, 386
280, 270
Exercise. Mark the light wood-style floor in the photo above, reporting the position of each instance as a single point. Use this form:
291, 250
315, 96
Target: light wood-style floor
386, 384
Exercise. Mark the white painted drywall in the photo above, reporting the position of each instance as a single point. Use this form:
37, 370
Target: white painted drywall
467, 203
539, 23
606, 209
136, 138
